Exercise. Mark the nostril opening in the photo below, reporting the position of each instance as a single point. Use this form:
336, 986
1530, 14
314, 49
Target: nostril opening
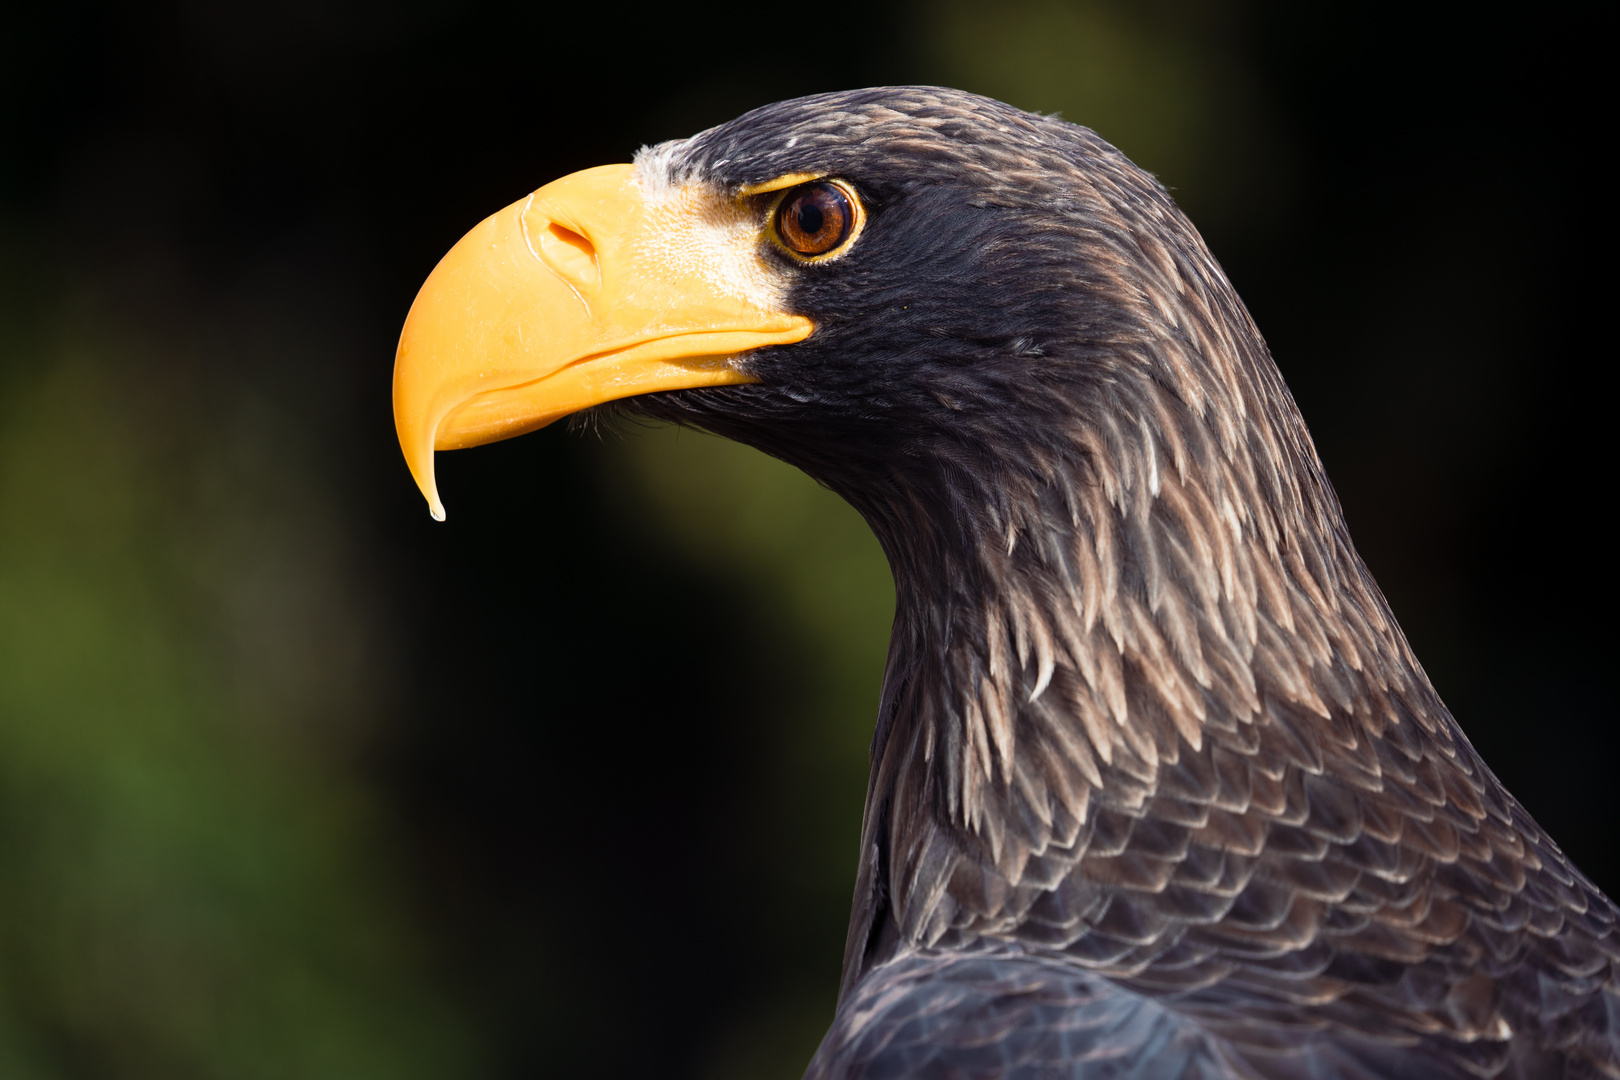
571, 238
569, 253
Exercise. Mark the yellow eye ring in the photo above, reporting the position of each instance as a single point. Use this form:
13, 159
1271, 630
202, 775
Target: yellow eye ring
817, 221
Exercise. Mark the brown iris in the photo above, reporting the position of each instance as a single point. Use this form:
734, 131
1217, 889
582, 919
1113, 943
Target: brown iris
815, 218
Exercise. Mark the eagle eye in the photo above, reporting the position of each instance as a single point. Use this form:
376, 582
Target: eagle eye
816, 218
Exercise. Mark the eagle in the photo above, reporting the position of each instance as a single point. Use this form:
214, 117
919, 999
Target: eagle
1158, 787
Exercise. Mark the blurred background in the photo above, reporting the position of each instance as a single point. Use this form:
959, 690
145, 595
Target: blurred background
295, 782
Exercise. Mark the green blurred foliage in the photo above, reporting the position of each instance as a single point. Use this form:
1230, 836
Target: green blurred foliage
194, 882
815, 571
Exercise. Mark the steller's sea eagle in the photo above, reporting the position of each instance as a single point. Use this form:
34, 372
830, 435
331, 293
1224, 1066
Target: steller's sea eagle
1158, 788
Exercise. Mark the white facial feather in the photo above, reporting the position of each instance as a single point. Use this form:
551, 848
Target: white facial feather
710, 231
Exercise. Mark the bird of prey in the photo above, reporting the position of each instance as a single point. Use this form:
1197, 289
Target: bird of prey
1158, 787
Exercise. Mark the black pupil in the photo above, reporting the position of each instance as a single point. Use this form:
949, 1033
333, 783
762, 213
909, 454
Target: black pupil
810, 217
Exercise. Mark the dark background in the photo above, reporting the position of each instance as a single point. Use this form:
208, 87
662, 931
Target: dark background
295, 782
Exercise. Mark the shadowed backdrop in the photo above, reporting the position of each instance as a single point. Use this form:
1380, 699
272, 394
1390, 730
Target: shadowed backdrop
296, 782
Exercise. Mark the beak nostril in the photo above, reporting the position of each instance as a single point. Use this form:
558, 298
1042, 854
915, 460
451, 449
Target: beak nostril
569, 253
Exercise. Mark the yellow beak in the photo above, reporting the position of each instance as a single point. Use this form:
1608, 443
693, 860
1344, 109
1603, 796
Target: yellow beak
584, 292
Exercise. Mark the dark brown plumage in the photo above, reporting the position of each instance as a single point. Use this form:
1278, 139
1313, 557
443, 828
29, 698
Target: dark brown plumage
1158, 787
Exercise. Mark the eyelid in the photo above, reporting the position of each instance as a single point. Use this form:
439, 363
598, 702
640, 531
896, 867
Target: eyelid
781, 183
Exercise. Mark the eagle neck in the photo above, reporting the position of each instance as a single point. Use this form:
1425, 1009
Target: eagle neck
1079, 612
